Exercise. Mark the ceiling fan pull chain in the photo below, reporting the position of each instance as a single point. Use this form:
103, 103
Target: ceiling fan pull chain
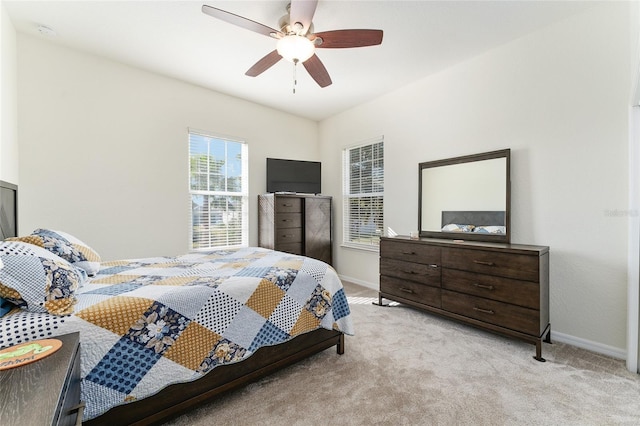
295, 77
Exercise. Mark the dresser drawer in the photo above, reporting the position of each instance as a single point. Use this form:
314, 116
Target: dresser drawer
510, 265
409, 290
288, 205
491, 311
288, 220
411, 252
418, 272
288, 235
517, 292
293, 248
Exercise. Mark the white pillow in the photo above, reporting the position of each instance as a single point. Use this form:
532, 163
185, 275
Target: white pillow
37, 280
66, 246
489, 229
454, 227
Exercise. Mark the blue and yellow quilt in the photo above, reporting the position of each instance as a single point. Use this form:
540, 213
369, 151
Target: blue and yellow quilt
148, 323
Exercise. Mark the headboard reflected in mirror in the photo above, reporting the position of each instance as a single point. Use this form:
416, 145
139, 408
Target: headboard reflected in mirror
8, 210
466, 198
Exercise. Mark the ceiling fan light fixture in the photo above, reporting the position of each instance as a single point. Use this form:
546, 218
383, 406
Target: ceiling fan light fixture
297, 39
295, 48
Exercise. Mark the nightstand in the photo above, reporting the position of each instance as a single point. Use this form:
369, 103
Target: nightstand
45, 392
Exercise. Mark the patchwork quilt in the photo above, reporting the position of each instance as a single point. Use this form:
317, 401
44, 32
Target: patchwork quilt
148, 323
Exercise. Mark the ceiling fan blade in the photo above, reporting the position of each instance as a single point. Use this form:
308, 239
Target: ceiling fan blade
239, 21
318, 72
302, 11
264, 64
349, 38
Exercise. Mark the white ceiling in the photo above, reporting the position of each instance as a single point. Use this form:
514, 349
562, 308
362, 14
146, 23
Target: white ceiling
174, 38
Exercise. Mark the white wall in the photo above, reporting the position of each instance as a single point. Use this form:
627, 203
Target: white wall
633, 279
9, 106
104, 154
559, 99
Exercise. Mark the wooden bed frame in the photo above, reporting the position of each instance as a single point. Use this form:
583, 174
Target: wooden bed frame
178, 398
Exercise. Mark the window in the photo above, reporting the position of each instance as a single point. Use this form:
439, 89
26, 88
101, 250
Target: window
363, 178
219, 192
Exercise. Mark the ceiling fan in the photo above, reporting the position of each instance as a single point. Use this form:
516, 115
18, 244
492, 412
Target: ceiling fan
296, 39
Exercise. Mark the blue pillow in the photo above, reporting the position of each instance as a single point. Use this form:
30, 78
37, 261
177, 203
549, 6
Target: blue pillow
5, 306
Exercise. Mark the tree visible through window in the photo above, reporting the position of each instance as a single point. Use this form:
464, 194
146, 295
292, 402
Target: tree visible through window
218, 190
363, 194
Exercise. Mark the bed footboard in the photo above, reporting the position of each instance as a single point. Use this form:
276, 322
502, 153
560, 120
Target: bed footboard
177, 398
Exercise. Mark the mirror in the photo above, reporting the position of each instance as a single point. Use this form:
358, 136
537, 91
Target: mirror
466, 198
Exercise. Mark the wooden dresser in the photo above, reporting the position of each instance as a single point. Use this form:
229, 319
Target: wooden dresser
45, 392
297, 224
499, 287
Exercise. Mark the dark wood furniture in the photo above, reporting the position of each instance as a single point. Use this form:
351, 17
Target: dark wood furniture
297, 224
178, 398
8, 210
499, 287
45, 392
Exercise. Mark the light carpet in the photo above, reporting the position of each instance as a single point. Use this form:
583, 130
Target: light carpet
406, 367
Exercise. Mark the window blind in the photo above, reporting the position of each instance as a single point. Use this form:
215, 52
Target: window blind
218, 189
363, 192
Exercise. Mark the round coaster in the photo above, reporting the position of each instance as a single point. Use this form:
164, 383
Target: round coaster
26, 353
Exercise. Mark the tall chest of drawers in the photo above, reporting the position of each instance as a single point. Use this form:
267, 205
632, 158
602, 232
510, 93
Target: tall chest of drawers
297, 224
499, 287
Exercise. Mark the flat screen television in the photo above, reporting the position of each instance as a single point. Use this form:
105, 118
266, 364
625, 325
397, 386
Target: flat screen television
293, 176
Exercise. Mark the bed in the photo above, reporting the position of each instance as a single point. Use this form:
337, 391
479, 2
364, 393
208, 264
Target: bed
162, 334
479, 222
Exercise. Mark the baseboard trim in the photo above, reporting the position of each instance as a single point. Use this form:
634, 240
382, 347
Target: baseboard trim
589, 345
359, 282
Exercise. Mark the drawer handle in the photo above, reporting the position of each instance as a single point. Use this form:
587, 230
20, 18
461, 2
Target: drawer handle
433, 266
80, 409
481, 262
484, 311
483, 286
410, 272
287, 205
411, 253
407, 290
287, 236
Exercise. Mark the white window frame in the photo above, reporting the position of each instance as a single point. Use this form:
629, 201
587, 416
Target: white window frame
351, 236
243, 194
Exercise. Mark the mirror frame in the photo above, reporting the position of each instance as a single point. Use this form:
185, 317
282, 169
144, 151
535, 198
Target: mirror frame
504, 238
